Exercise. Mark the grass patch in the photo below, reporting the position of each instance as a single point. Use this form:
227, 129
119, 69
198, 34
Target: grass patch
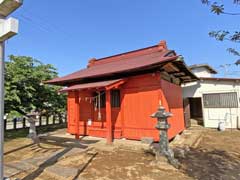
22, 133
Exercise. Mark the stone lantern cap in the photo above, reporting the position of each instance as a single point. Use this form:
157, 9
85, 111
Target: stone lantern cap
32, 114
161, 113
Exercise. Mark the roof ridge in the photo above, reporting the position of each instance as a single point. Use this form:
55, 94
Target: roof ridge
154, 54
161, 46
135, 53
120, 54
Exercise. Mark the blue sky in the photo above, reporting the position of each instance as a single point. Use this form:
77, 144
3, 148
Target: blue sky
68, 33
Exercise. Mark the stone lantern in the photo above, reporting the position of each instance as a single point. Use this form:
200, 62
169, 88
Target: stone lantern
163, 126
31, 117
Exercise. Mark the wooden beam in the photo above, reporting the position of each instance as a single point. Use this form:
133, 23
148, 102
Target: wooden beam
177, 73
109, 117
116, 84
77, 105
165, 76
185, 77
170, 68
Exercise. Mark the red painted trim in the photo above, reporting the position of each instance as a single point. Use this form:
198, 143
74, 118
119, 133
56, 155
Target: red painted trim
115, 85
77, 114
109, 117
122, 109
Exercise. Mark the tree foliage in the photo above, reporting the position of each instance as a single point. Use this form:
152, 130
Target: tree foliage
24, 88
221, 35
219, 8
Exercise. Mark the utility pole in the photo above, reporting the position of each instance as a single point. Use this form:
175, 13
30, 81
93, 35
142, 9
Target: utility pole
8, 28
2, 47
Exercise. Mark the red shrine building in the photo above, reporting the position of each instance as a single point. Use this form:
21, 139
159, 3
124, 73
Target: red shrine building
114, 96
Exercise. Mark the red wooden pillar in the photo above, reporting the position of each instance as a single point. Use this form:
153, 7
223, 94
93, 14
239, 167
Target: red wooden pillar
109, 117
77, 115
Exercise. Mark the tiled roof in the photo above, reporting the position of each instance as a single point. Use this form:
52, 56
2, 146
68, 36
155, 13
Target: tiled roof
121, 64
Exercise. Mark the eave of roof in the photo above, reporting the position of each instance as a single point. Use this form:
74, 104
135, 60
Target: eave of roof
95, 85
220, 79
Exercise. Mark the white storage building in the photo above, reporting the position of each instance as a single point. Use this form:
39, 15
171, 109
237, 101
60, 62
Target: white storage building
212, 100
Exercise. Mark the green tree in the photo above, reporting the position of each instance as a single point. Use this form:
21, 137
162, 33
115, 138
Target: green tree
24, 88
222, 35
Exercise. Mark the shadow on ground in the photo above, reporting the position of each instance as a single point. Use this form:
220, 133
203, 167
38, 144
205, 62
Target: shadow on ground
67, 143
203, 164
22, 133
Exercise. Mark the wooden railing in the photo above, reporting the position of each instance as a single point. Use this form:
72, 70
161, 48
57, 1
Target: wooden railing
22, 123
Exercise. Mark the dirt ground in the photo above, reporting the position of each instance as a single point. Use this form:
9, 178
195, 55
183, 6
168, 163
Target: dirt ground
217, 156
123, 164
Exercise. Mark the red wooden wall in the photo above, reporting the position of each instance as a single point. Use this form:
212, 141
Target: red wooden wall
173, 102
140, 97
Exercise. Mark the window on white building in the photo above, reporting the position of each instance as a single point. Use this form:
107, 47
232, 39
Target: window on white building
220, 100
